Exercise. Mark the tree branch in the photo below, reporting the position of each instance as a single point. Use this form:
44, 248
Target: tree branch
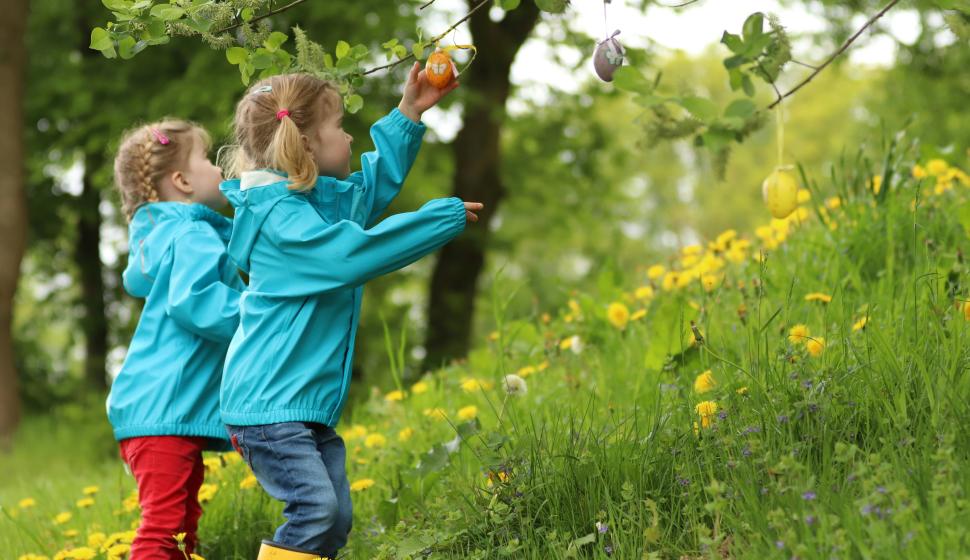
292, 4
433, 40
836, 54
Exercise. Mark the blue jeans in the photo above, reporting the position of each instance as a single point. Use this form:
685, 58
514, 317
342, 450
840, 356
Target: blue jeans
303, 465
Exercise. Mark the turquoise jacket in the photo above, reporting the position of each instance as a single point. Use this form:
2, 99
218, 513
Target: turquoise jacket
308, 255
169, 382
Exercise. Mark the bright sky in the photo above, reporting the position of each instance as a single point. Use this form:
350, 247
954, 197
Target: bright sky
690, 29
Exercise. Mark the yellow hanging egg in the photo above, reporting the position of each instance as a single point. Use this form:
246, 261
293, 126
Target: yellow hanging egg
440, 69
780, 191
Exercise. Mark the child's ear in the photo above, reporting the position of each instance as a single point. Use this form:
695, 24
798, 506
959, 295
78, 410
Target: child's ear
181, 183
306, 143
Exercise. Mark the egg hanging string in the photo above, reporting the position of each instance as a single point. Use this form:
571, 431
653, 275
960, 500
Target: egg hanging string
450, 48
606, 25
780, 130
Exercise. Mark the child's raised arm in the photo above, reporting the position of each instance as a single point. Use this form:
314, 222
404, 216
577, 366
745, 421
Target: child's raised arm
318, 257
198, 299
397, 139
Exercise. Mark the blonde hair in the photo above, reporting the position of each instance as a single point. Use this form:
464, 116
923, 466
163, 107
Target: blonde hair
265, 137
147, 154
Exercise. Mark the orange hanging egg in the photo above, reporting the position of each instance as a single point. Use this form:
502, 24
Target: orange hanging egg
440, 69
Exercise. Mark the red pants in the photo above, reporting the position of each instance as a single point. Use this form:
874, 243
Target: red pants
169, 472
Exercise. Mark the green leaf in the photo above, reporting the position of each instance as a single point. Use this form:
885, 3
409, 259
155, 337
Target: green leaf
202, 26
649, 100
247, 14
508, 5
735, 75
117, 5
274, 40
236, 55
389, 44
261, 59
353, 103
126, 47
733, 42
343, 47
753, 26
167, 12
734, 61
552, 6
101, 39
418, 50
747, 85
628, 78
327, 60
741, 108
400, 51
702, 108
755, 46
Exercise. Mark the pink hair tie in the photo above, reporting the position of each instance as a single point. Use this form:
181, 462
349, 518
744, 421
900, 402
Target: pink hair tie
282, 113
162, 139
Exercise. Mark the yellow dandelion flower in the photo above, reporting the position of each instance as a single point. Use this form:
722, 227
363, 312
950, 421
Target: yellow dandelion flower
919, 172
95, 540
355, 432
818, 296
797, 334
395, 396
85, 503
803, 196
618, 315
638, 314
361, 484
436, 413
32, 557
27, 503
82, 553
815, 346
876, 184
71, 533
405, 434
706, 410
543, 366
90, 490
546, 318
194, 556
213, 464
62, 518
248, 483
574, 307
704, 382
644, 292
375, 441
232, 458
468, 412
936, 166
526, 371
709, 282
207, 492
470, 385
742, 391
656, 271
493, 336
419, 387
833, 202
860, 324
966, 310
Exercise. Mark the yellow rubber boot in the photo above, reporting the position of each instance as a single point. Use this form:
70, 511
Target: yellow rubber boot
272, 551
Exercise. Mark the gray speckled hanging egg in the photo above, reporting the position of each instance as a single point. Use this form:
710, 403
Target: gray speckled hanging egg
608, 57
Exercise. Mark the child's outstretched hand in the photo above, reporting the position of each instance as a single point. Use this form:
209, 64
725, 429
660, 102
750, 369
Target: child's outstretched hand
420, 95
470, 209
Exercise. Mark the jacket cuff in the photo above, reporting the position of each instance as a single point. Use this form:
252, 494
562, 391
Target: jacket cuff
400, 121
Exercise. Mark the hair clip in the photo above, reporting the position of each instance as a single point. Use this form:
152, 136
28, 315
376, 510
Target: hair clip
162, 139
263, 89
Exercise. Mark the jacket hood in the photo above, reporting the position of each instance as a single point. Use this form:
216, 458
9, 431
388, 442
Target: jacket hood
151, 233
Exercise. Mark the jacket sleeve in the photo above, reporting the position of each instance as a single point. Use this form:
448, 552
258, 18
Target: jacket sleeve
397, 140
316, 257
198, 299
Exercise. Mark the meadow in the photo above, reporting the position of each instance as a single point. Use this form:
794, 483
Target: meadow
790, 392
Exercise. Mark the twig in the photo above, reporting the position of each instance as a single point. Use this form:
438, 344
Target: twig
805, 64
433, 40
426, 4
292, 4
681, 5
836, 54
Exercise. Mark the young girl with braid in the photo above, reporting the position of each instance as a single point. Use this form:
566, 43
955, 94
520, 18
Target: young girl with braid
164, 403
306, 230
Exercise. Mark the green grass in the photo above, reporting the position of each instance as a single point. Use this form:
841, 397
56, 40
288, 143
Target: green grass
858, 452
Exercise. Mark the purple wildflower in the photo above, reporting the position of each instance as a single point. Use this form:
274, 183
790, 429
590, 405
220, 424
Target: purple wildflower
808, 496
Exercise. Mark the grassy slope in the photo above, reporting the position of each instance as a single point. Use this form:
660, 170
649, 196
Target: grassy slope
855, 452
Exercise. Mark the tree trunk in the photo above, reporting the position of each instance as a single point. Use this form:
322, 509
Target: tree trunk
87, 257
477, 178
13, 203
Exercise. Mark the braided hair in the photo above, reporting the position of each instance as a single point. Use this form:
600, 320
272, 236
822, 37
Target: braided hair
149, 152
